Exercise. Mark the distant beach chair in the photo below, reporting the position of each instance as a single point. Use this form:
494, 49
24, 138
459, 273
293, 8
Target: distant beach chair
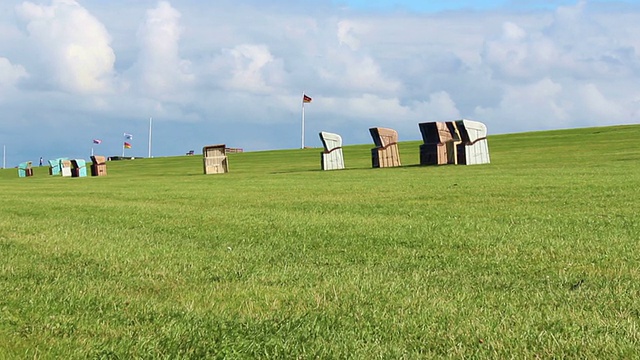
331, 158
65, 167
385, 154
215, 159
473, 148
98, 166
78, 168
440, 140
54, 166
24, 169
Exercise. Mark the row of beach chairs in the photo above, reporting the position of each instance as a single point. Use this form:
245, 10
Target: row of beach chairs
69, 167
462, 142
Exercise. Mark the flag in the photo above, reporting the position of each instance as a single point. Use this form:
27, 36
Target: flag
97, 141
306, 99
127, 145
128, 136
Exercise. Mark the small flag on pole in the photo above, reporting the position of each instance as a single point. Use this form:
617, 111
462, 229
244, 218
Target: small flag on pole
306, 99
128, 136
127, 145
97, 141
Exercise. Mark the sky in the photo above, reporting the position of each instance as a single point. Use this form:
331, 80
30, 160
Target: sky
233, 72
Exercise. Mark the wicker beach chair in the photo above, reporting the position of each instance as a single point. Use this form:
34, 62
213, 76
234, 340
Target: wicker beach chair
331, 157
385, 154
215, 159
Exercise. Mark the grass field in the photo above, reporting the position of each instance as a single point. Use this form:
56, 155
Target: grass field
535, 255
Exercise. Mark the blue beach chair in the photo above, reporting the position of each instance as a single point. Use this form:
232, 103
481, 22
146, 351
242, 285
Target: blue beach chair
24, 169
78, 168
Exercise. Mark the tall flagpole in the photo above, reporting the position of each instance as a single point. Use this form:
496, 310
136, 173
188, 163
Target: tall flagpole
150, 122
302, 120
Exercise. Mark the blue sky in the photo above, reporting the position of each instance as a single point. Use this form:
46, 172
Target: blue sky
233, 72
436, 5
443, 5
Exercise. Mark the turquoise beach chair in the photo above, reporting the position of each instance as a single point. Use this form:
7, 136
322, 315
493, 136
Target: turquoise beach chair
54, 166
24, 169
78, 168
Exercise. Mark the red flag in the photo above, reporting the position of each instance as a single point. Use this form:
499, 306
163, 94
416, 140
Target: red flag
306, 99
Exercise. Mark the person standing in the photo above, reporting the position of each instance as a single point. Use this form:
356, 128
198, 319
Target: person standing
41, 160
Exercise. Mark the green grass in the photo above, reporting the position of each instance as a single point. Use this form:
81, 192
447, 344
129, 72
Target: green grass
535, 255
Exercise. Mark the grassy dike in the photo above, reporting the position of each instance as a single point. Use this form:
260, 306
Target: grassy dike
535, 255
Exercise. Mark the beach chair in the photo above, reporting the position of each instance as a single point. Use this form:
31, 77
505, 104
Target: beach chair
215, 159
473, 148
65, 167
439, 143
78, 168
385, 154
331, 158
24, 169
54, 166
98, 166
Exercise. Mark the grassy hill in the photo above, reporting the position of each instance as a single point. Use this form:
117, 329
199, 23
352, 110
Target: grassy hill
532, 256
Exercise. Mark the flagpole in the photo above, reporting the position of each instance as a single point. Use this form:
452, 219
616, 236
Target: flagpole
302, 120
92, 151
122, 148
150, 122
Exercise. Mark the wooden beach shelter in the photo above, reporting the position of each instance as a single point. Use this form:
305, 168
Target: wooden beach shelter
440, 139
473, 148
385, 154
78, 168
331, 158
98, 166
215, 159
24, 169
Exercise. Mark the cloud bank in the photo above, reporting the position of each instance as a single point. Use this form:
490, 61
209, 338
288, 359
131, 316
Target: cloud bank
227, 73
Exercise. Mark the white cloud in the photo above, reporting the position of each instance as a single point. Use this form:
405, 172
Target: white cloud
249, 67
161, 69
237, 70
346, 34
391, 110
439, 107
355, 73
10, 74
598, 108
513, 112
72, 46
